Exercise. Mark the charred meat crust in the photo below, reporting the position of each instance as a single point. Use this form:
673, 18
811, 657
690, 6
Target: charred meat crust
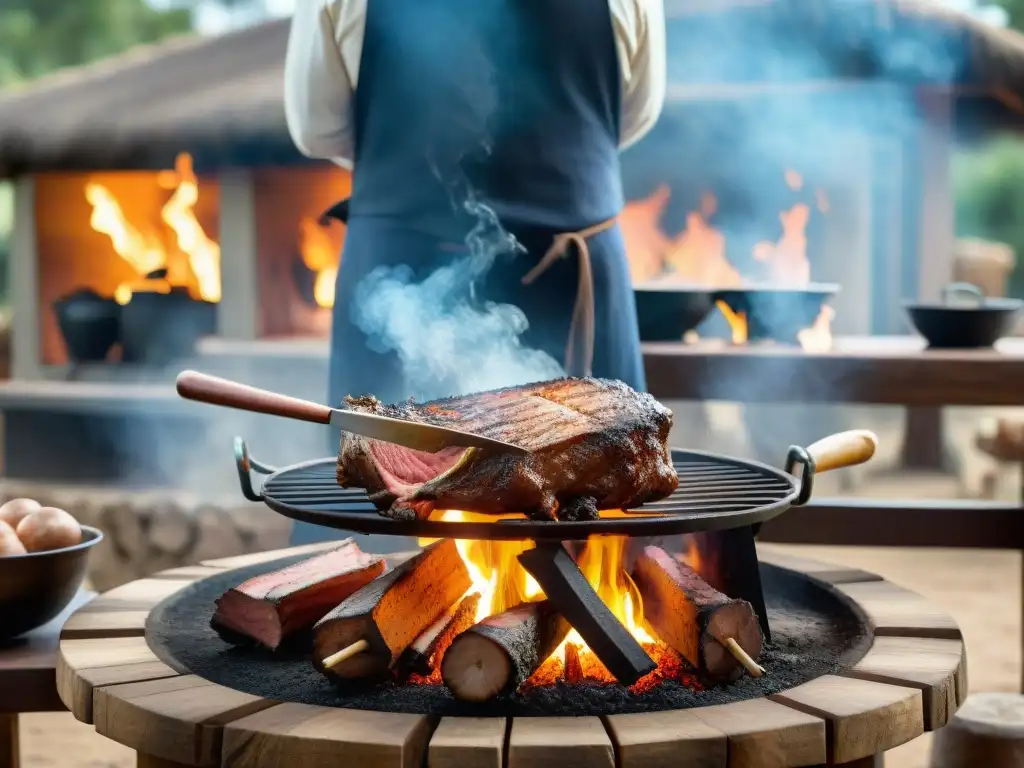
594, 444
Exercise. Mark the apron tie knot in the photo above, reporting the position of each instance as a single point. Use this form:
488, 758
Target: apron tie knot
581, 328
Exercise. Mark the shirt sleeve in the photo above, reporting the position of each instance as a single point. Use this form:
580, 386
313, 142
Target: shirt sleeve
641, 44
318, 90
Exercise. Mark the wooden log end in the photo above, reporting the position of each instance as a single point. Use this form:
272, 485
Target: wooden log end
476, 668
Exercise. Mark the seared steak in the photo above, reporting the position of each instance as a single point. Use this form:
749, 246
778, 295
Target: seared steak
594, 444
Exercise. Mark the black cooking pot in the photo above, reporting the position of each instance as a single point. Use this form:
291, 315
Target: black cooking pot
778, 314
965, 319
89, 323
36, 587
159, 328
666, 312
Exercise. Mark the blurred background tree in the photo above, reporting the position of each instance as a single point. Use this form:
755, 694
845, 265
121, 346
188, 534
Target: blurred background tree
39, 36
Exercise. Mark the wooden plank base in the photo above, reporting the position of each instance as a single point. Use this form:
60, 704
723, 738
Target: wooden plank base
9, 753
574, 742
911, 680
468, 742
148, 761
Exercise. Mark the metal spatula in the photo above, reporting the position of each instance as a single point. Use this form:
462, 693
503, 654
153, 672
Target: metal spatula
193, 385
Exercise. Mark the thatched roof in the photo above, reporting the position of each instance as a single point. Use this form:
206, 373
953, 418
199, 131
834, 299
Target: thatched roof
221, 98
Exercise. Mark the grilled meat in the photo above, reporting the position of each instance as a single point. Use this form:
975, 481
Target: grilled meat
594, 444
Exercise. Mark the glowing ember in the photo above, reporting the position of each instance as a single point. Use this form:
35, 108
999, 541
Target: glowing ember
321, 255
194, 263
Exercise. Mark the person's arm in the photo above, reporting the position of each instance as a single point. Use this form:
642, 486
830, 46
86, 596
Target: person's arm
640, 35
318, 88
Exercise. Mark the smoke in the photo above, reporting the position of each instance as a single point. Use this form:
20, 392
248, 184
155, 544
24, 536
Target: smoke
448, 341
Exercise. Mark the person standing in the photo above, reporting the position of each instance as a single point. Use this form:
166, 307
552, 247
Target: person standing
521, 106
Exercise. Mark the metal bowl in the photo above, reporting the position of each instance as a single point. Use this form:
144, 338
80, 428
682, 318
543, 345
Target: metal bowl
777, 313
38, 586
666, 312
965, 319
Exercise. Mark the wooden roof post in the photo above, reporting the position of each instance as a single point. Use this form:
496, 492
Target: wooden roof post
238, 311
23, 283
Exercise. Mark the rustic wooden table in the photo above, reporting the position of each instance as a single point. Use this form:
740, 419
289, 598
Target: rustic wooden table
28, 674
911, 680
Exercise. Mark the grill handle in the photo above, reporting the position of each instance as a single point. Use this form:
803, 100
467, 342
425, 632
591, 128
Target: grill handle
843, 449
245, 465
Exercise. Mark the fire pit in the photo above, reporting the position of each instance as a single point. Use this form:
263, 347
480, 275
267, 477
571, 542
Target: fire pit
638, 612
901, 673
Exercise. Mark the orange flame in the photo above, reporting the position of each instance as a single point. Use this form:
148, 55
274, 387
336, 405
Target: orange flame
321, 255
502, 583
145, 251
697, 255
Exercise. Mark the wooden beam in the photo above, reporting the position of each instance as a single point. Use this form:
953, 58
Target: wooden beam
238, 311
23, 283
894, 523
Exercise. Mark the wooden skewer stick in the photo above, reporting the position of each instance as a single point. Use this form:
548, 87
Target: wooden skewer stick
755, 669
349, 651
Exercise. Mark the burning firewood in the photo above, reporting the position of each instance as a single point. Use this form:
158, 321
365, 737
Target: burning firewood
274, 606
424, 655
498, 654
714, 633
366, 633
573, 665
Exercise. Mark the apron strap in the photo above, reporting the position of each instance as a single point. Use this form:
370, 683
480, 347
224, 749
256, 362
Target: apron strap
581, 329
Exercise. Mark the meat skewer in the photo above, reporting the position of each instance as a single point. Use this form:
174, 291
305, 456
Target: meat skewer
422, 656
366, 633
499, 654
695, 619
275, 606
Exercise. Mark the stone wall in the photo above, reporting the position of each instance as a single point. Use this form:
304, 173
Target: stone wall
149, 531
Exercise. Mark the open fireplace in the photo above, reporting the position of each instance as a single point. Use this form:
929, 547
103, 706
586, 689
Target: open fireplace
126, 258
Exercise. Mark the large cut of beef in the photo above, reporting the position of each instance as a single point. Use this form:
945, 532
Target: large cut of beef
593, 444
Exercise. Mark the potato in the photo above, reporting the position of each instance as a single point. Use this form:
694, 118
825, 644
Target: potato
48, 528
15, 510
10, 544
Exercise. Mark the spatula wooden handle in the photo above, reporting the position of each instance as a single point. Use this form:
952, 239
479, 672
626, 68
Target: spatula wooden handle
843, 449
193, 385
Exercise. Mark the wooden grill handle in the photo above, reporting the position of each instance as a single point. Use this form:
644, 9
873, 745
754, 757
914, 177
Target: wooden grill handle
843, 449
214, 390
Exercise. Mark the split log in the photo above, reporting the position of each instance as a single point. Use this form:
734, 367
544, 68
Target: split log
693, 618
277, 605
500, 653
383, 618
425, 654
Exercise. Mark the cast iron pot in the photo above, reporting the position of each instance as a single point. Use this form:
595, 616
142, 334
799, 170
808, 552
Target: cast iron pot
965, 319
159, 328
666, 312
89, 323
38, 586
778, 314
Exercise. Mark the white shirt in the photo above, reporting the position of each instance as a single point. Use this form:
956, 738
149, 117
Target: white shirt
326, 42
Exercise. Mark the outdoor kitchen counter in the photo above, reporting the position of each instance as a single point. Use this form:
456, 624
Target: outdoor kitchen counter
911, 680
873, 370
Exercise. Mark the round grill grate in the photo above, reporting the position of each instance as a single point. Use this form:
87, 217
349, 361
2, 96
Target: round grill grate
715, 492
